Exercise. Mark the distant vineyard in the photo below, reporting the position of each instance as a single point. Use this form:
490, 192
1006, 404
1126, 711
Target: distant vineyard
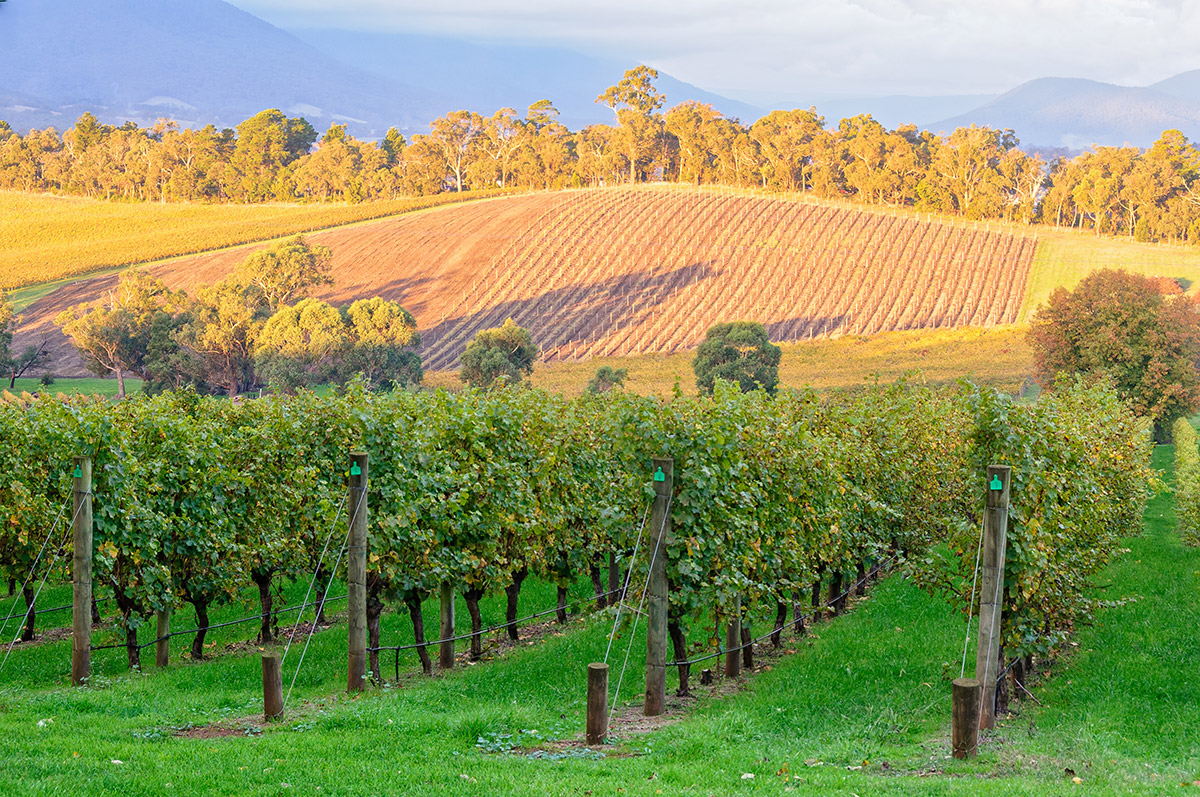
647, 269
640, 270
44, 238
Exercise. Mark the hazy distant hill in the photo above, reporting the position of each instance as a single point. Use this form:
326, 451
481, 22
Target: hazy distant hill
899, 109
1076, 113
199, 61
484, 78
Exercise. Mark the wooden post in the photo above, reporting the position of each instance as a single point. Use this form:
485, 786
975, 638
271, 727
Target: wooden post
162, 645
964, 724
733, 640
656, 588
597, 703
272, 686
446, 653
81, 575
356, 573
991, 585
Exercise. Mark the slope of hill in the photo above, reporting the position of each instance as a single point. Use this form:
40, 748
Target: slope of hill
199, 62
484, 78
644, 269
1075, 113
46, 238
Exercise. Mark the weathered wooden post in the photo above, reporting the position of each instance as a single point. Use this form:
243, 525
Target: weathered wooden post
272, 686
81, 575
597, 703
964, 725
356, 573
733, 640
656, 588
991, 586
162, 643
446, 650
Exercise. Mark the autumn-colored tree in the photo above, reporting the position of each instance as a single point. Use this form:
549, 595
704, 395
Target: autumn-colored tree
500, 356
1121, 325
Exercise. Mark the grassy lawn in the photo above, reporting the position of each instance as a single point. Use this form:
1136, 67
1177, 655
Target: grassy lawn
998, 356
861, 707
90, 386
1064, 257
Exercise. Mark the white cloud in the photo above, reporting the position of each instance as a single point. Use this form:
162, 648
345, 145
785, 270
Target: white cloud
817, 47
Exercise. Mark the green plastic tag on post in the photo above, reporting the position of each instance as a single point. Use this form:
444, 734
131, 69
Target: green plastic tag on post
78, 472
996, 483
659, 476
355, 470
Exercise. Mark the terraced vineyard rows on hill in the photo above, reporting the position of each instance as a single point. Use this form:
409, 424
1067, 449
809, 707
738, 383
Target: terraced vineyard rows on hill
646, 269
639, 270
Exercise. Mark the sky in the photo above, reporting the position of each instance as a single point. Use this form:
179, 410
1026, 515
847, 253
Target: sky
759, 50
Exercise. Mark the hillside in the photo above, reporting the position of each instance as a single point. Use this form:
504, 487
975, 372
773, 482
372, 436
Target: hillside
643, 270
46, 238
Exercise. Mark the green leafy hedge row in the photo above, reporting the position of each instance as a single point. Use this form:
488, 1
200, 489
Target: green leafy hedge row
197, 499
1187, 482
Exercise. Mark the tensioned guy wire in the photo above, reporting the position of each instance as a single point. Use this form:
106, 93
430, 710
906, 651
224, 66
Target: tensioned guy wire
33, 567
628, 575
638, 615
312, 581
53, 560
971, 603
341, 550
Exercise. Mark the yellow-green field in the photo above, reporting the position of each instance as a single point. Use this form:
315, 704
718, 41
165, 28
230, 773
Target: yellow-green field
999, 357
46, 238
1064, 257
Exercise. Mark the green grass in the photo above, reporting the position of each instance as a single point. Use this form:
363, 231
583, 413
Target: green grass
999, 357
867, 689
96, 386
47, 240
1064, 257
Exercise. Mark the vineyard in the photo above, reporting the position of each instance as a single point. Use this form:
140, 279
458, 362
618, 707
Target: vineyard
46, 238
646, 269
196, 500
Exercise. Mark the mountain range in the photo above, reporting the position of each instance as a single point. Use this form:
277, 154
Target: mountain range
208, 62
1074, 114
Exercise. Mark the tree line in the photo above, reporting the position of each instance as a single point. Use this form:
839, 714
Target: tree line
257, 326
974, 172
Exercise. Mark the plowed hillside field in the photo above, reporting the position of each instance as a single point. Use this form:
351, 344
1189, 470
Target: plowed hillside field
645, 269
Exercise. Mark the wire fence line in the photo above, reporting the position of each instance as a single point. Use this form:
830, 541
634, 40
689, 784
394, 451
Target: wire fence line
53, 560
247, 619
498, 626
33, 568
779, 628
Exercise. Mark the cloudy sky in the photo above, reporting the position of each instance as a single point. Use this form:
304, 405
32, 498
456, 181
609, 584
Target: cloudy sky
757, 49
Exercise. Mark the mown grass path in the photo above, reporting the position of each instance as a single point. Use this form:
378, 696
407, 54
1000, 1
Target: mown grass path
862, 707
